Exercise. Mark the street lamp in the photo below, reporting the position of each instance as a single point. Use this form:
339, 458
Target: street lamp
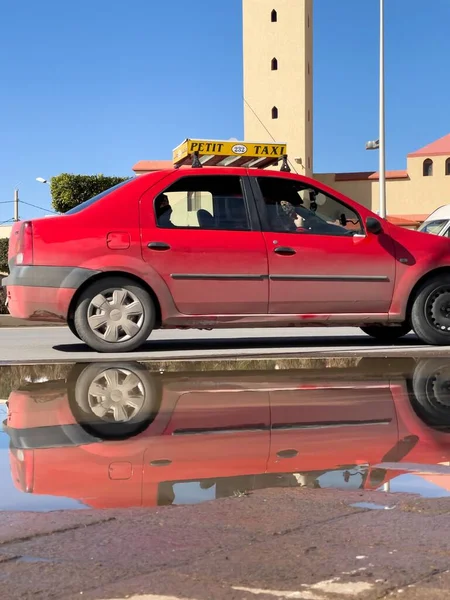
42, 180
380, 143
374, 145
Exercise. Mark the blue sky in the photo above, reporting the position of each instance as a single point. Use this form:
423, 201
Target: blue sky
93, 87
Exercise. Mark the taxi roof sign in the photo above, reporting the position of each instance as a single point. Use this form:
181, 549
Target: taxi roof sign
231, 153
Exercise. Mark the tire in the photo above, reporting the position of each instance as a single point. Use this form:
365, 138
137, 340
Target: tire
114, 401
387, 334
114, 315
71, 326
430, 314
431, 392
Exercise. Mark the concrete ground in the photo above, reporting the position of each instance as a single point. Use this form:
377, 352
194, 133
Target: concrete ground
282, 543
57, 344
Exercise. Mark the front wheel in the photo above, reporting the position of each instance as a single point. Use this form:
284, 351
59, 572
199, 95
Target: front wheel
114, 314
387, 334
430, 314
431, 391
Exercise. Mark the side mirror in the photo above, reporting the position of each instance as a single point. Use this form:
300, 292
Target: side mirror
374, 226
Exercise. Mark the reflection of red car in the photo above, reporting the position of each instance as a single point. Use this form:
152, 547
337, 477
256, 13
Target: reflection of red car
116, 435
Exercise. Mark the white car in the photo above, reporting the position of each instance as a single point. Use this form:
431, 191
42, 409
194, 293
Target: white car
438, 223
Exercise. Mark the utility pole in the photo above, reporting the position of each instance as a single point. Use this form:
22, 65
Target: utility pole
16, 205
382, 154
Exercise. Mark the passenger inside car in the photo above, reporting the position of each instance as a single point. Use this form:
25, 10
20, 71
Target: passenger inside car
163, 211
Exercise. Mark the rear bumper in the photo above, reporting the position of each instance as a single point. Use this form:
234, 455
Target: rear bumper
57, 436
39, 303
39, 293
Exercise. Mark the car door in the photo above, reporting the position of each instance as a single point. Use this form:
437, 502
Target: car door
320, 426
218, 429
201, 233
321, 259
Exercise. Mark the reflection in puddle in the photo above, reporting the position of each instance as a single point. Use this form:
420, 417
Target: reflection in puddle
107, 436
420, 484
34, 559
12, 497
371, 506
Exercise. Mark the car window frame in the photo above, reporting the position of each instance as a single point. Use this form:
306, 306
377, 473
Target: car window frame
262, 207
247, 194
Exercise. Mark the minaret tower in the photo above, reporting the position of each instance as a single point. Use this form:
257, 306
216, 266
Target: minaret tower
278, 76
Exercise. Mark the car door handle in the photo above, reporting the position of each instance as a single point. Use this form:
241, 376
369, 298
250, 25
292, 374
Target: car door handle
161, 246
284, 251
291, 453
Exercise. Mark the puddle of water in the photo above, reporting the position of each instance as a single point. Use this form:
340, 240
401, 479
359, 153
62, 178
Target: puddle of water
13, 499
121, 435
34, 559
416, 484
372, 506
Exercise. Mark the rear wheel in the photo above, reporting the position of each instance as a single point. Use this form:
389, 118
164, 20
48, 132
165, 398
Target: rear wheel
114, 315
387, 334
71, 326
430, 313
114, 400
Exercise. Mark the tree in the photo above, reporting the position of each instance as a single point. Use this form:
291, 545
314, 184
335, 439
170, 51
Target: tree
3, 269
4, 242
70, 190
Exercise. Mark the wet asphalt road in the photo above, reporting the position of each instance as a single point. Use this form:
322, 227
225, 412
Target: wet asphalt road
57, 344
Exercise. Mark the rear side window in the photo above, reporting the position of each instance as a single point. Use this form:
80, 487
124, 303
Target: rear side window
203, 202
96, 198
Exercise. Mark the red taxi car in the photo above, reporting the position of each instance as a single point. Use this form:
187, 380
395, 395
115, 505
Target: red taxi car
117, 435
226, 246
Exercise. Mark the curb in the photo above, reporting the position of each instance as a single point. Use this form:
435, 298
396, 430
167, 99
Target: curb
8, 321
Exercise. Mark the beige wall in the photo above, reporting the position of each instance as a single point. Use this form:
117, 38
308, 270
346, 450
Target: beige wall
427, 193
414, 195
289, 88
181, 217
5, 231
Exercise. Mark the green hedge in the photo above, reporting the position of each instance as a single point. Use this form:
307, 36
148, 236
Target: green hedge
4, 255
3, 269
70, 190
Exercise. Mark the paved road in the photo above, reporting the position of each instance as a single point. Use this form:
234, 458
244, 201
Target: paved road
57, 344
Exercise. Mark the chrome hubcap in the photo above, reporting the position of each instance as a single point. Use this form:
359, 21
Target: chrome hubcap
116, 395
116, 315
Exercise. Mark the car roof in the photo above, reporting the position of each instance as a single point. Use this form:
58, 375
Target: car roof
240, 171
443, 212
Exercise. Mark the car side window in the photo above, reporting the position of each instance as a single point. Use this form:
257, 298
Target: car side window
203, 202
292, 207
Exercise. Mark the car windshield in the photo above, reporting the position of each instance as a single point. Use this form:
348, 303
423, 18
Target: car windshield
434, 227
96, 198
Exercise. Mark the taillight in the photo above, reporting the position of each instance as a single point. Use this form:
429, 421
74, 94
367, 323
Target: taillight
22, 469
24, 248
